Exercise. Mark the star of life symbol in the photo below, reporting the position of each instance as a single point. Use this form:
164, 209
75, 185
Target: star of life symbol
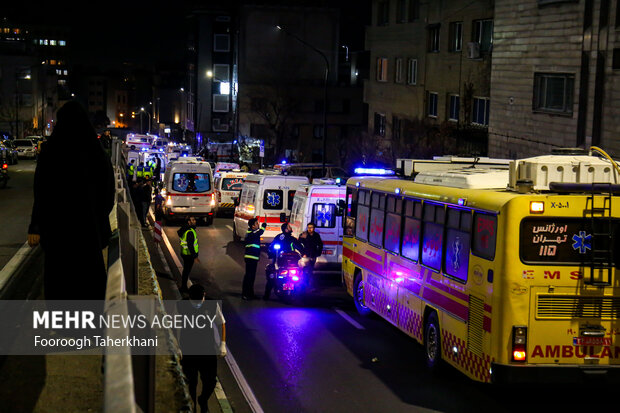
273, 199
323, 216
582, 242
457, 247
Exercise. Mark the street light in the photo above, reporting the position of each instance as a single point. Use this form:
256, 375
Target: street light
324, 90
147, 112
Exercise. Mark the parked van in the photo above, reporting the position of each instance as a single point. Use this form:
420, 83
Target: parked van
189, 190
227, 189
321, 204
268, 198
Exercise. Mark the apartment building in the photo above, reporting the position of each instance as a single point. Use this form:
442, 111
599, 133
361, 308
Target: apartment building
429, 86
555, 76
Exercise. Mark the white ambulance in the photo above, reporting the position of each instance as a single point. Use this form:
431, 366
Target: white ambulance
136, 141
321, 203
268, 197
227, 189
189, 190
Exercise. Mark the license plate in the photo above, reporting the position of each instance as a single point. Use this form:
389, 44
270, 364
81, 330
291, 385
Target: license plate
288, 287
592, 341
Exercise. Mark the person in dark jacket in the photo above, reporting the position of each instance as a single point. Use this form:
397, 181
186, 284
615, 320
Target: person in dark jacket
189, 249
196, 346
252, 255
313, 248
285, 242
146, 197
73, 265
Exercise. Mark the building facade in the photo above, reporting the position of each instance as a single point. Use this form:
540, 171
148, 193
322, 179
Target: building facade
429, 87
555, 77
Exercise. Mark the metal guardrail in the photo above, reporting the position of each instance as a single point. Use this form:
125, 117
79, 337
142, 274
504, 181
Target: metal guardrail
124, 389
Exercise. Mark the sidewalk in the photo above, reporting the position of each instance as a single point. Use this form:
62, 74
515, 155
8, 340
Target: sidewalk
169, 277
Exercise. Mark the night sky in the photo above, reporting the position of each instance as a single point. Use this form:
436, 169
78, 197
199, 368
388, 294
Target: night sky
108, 33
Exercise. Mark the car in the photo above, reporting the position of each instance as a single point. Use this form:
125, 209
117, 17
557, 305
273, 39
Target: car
26, 148
11, 151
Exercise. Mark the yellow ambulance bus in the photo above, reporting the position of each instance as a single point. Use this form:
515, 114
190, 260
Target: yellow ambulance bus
507, 275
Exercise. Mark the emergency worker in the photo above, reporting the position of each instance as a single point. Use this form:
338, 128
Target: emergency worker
284, 242
131, 170
252, 255
140, 170
189, 249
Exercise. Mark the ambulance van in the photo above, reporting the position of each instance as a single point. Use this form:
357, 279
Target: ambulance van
268, 197
321, 203
189, 190
227, 189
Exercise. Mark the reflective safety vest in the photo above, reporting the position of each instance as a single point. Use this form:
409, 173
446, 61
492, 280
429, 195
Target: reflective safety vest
131, 168
184, 247
252, 244
140, 171
148, 172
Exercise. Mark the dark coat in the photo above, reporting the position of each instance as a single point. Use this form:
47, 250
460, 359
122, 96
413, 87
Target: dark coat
74, 225
313, 245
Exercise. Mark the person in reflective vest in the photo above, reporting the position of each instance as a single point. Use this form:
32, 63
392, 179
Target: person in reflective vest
252, 255
148, 171
131, 170
189, 249
140, 170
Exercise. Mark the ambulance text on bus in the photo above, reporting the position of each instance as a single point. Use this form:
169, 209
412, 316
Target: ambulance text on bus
507, 275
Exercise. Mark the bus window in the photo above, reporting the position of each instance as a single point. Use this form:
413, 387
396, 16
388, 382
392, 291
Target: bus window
363, 215
485, 234
410, 247
432, 235
457, 244
393, 220
324, 215
272, 199
377, 219
351, 213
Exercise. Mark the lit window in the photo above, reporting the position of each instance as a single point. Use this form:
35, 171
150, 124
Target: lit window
46, 42
52, 42
382, 68
62, 43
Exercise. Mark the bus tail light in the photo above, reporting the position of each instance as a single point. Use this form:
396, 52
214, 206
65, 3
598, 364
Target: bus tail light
519, 343
537, 207
212, 199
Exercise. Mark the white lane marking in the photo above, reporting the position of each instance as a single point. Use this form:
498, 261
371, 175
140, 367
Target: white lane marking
229, 227
242, 382
349, 319
230, 360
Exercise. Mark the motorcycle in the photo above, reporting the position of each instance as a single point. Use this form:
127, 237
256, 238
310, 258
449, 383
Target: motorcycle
4, 175
289, 278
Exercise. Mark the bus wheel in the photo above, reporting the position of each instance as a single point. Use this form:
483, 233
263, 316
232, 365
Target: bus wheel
358, 296
236, 237
432, 341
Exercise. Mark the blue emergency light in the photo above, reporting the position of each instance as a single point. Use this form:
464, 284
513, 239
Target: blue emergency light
373, 171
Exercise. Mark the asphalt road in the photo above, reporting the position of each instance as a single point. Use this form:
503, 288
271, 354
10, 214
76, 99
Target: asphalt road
15, 209
321, 356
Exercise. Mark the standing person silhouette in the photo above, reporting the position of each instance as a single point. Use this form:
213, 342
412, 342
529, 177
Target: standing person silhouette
73, 265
